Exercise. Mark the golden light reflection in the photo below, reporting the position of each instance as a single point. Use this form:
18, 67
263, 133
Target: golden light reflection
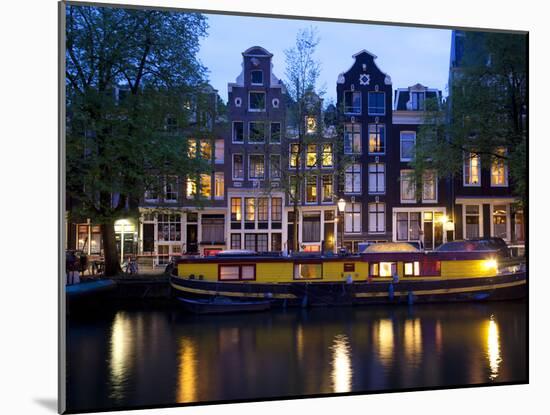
121, 348
493, 348
300, 342
413, 341
341, 364
385, 340
187, 371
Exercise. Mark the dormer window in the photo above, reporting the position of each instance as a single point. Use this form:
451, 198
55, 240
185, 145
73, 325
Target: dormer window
418, 101
257, 77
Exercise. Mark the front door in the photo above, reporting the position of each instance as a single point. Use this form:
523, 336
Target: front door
192, 242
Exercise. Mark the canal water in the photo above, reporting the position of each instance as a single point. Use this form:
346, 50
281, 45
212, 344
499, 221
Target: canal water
159, 357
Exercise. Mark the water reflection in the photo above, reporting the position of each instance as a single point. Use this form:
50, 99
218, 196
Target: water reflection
384, 336
187, 371
121, 350
341, 364
155, 357
413, 341
493, 348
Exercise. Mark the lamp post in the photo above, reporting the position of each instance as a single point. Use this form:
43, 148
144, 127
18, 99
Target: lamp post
341, 208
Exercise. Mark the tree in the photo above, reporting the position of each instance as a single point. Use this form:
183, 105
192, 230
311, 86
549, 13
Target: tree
485, 114
127, 72
304, 108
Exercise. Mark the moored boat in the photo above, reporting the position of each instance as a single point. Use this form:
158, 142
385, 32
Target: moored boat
386, 273
223, 305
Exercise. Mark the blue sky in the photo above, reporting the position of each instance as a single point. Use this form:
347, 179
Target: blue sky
408, 54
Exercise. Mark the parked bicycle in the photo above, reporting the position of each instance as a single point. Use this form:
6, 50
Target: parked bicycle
130, 266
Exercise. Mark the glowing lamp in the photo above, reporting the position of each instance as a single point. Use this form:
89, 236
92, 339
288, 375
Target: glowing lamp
490, 264
341, 205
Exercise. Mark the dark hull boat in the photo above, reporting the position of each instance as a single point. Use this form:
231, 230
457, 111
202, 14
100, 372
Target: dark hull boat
389, 273
218, 305
501, 287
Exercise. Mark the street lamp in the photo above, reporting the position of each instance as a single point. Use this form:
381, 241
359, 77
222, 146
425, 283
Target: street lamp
341, 208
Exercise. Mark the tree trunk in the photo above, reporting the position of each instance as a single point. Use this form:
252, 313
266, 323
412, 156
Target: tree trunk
112, 264
295, 229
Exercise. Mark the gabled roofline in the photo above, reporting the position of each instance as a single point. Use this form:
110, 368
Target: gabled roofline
341, 76
247, 52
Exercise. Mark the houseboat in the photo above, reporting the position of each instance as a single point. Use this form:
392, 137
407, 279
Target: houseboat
387, 273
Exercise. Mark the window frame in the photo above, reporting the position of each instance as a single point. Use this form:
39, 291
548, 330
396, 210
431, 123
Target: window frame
250, 109
233, 167
404, 173
271, 124
352, 213
360, 103
468, 162
369, 112
505, 167
217, 175
401, 133
250, 129
240, 265
316, 187
383, 146
298, 263
233, 132
376, 174
351, 132
354, 173
250, 177
435, 186
252, 72
377, 212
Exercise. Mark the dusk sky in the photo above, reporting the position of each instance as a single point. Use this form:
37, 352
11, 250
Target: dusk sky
409, 55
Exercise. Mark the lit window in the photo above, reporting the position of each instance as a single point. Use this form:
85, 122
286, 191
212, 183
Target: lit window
308, 271
353, 179
352, 102
218, 185
311, 155
377, 103
472, 170
192, 148
327, 155
377, 178
238, 167
256, 132
263, 209
294, 155
206, 149
411, 269
408, 140
408, 186
256, 101
327, 189
250, 209
206, 186
429, 186
500, 226
352, 138
256, 166
352, 218
311, 124
499, 170
236, 209
191, 187
311, 189
377, 138
377, 218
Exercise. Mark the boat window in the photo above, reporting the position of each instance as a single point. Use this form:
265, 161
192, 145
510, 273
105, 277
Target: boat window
411, 269
247, 272
349, 267
431, 268
229, 272
237, 272
308, 271
382, 269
